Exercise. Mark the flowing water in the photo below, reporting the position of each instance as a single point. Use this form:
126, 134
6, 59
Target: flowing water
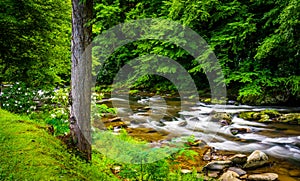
182, 119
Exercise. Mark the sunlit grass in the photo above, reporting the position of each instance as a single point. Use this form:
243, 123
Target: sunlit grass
28, 152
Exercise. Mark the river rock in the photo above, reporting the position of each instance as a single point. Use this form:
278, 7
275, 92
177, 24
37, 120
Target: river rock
116, 119
196, 143
217, 165
182, 123
221, 116
235, 131
263, 177
291, 118
116, 169
213, 173
262, 116
159, 123
115, 122
208, 154
224, 122
186, 171
147, 134
239, 159
237, 170
256, 159
229, 176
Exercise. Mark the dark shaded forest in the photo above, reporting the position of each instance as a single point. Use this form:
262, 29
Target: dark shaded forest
256, 43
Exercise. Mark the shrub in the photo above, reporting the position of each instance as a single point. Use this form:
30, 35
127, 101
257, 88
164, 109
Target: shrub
18, 98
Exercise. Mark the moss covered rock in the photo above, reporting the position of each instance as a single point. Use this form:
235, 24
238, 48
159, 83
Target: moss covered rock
291, 118
271, 116
218, 117
254, 116
262, 116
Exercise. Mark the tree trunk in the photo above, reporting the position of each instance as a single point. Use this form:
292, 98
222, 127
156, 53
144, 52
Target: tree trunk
81, 77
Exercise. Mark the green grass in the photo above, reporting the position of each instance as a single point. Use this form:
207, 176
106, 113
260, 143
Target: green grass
28, 152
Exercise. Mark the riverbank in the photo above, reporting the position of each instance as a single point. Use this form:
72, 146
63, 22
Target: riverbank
29, 151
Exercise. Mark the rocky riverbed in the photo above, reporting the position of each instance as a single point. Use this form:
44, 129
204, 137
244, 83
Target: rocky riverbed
232, 142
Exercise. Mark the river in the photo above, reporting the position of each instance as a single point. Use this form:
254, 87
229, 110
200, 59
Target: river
185, 119
180, 120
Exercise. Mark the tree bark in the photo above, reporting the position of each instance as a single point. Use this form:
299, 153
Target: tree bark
81, 76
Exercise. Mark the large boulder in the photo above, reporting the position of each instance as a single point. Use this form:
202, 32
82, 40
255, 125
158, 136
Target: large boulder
256, 159
263, 177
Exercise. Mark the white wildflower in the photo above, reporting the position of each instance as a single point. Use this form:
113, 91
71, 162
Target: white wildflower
40, 92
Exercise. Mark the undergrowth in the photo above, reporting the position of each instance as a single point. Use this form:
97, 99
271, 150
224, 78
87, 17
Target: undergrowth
29, 152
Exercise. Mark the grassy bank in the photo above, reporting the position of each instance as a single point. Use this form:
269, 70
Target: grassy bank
29, 152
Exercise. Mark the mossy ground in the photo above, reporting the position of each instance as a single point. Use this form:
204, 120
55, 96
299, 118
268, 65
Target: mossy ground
29, 152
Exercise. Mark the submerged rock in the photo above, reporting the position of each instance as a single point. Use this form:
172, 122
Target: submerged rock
115, 122
182, 123
235, 131
256, 159
294, 173
147, 134
263, 177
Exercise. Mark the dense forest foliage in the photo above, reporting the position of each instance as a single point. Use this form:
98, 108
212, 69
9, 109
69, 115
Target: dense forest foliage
35, 42
256, 42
